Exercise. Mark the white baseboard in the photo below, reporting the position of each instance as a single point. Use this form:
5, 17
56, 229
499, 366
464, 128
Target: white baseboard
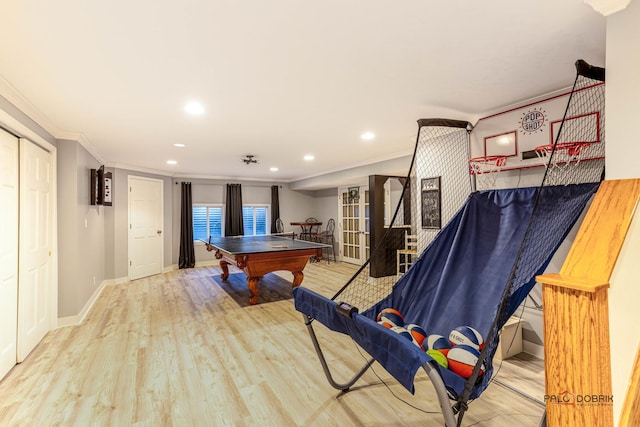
79, 318
208, 263
170, 268
533, 349
121, 280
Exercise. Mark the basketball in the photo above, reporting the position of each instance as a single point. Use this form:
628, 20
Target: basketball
402, 331
385, 324
391, 315
462, 358
437, 342
466, 335
418, 334
440, 358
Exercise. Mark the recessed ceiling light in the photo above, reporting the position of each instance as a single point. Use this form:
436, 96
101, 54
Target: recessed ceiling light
179, 145
171, 162
274, 169
195, 108
368, 136
309, 157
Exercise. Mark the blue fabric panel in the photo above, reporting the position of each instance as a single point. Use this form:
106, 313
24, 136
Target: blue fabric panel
461, 277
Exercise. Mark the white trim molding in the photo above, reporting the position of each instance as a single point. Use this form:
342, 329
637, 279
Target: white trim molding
79, 318
607, 7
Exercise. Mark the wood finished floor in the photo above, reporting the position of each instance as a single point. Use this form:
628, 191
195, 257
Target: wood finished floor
178, 350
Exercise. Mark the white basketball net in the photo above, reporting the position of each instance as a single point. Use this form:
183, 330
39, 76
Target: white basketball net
567, 155
485, 169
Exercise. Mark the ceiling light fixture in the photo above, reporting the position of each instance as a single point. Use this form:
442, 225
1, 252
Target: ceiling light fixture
309, 157
248, 159
171, 162
179, 145
194, 108
368, 136
274, 169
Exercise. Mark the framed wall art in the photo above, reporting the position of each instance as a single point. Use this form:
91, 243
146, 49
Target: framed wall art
431, 203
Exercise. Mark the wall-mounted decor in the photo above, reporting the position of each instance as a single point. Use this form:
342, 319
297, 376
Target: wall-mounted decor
431, 203
95, 193
108, 189
354, 193
101, 191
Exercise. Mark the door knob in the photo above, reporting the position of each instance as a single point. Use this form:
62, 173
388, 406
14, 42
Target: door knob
159, 231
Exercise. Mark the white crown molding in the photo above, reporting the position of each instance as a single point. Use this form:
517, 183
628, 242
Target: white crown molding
607, 7
133, 168
364, 163
82, 139
8, 91
11, 94
230, 178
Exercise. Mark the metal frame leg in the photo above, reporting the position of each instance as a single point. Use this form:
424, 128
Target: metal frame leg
323, 361
543, 420
441, 392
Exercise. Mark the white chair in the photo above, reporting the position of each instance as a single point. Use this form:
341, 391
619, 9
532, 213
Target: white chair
406, 256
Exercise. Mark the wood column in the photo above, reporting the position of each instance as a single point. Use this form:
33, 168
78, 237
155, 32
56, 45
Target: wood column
576, 313
631, 410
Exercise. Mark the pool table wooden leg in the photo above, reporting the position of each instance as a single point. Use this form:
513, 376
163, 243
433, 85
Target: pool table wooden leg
224, 265
252, 283
297, 278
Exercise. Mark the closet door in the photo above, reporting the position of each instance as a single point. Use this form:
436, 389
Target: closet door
8, 250
36, 245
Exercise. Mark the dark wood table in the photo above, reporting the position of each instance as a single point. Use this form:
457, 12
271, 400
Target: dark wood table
306, 228
259, 255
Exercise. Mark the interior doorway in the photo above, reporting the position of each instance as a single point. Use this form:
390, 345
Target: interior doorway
145, 226
353, 224
8, 251
36, 274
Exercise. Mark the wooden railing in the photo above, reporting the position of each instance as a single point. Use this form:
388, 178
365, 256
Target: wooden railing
576, 313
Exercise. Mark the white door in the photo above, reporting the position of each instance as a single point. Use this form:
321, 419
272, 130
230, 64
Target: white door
36, 267
8, 251
353, 223
145, 227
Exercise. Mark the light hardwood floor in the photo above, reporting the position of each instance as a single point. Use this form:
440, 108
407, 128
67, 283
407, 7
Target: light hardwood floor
179, 350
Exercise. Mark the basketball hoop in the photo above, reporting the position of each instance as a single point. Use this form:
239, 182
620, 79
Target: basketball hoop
566, 152
560, 156
485, 169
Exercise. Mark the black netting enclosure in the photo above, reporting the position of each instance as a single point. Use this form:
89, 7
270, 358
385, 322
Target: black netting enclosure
450, 257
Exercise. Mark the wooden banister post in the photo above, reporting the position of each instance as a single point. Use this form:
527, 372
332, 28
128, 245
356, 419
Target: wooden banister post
576, 352
577, 355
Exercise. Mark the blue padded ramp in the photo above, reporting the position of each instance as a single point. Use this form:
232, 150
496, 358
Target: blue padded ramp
461, 277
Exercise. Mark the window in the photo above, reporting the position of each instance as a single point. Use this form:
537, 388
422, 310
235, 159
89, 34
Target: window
207, 221
256, 220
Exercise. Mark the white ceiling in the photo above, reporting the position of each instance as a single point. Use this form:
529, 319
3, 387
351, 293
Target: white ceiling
283, 78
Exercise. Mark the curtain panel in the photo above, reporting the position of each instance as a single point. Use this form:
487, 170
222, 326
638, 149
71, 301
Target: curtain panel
275, 208
187, 258
233, 225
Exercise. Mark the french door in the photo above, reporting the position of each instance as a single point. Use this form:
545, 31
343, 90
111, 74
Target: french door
353, 223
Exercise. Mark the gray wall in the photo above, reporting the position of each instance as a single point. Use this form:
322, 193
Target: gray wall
81, 230
294, 205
